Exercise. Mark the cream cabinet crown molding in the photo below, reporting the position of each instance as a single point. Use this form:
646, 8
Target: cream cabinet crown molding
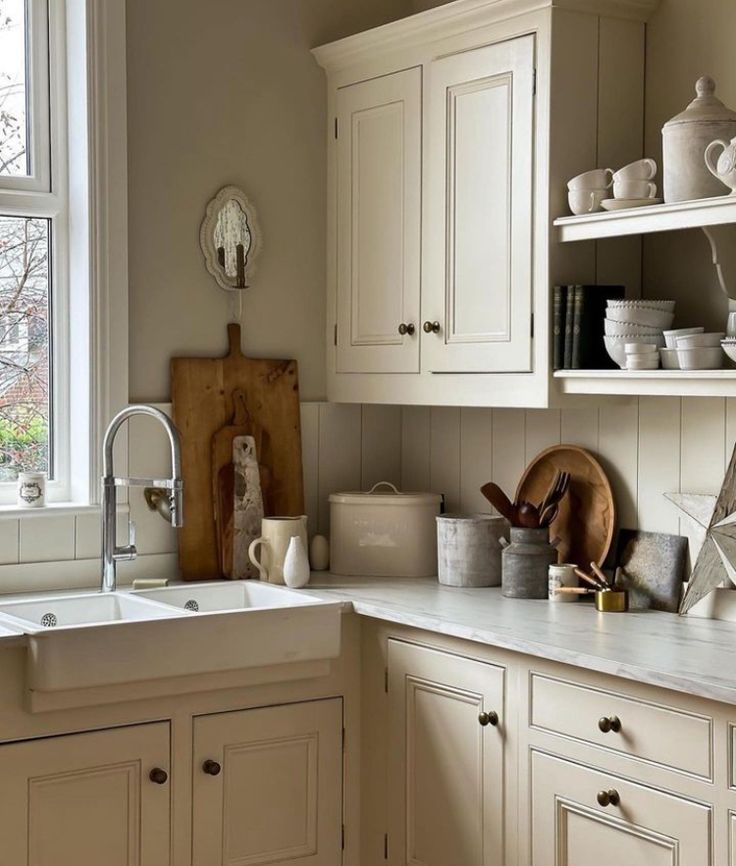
458, 17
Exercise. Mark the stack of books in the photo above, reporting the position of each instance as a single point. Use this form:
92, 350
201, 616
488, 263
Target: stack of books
578, 313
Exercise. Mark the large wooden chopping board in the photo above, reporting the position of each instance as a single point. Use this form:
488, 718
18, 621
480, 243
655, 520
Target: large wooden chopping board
202, 396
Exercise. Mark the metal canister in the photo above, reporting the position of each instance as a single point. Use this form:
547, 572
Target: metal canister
525, 562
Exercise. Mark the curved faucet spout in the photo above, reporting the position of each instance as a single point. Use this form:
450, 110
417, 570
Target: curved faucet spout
111, 553
129, 412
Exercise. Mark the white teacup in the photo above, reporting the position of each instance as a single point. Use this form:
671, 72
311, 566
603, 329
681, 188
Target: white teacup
584, 201
642, 169
599, 178
634, 189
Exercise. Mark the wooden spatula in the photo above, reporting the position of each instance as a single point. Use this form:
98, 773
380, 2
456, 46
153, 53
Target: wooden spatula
500, 501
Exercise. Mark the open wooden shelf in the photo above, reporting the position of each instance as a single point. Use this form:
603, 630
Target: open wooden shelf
674, 383
645, 220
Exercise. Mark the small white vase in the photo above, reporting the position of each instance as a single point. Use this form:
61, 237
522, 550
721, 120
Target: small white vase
296, 564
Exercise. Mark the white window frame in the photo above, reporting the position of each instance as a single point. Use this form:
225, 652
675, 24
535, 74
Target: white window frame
86, 194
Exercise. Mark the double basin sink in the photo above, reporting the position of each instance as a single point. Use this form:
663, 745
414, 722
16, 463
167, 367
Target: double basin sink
101, 639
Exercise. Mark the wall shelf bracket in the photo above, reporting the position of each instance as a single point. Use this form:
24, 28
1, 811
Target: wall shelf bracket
722, 240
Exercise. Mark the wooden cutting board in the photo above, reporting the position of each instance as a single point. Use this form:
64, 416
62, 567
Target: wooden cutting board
202, 396
587, 515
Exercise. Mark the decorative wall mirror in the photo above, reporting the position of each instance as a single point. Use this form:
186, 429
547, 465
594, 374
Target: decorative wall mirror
230, 238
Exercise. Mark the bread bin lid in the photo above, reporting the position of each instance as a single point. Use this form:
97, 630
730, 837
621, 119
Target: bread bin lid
705, 108
390, 496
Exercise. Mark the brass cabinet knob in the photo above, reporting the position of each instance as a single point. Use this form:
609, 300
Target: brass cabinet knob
488, 719
407, 329
431, 327
608, 798
608, 724
158, 776
212, 768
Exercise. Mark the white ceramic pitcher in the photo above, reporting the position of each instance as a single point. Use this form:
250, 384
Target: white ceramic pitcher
276, 533
725, 167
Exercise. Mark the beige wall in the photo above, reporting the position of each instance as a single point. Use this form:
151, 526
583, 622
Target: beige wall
222, 93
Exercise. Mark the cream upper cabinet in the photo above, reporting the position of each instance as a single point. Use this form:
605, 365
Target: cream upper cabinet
457, 131
87, 799
267, 786
477, 289
379, 155
580, 816
445, 759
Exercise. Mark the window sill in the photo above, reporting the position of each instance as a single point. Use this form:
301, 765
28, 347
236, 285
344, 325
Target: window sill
54, 509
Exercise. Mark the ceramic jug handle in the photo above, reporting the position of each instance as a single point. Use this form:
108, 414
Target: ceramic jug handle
709, 155
611, 172
263, 574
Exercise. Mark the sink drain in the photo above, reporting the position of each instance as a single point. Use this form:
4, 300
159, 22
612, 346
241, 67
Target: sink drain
191, 605
49, 620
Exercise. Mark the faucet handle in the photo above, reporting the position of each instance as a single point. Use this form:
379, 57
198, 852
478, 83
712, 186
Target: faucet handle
131, 536
129, 551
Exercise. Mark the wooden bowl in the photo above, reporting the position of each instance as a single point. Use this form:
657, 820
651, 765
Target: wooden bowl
587, 514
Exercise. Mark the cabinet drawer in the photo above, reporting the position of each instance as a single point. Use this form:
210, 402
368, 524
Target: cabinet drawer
582, 815
658, 734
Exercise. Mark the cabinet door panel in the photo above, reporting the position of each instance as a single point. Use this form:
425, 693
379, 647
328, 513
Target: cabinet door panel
278, 796
86, 799
446, 770
379, 223
478, 247
645, 828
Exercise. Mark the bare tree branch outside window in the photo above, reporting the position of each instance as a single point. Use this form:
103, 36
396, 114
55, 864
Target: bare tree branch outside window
24, 278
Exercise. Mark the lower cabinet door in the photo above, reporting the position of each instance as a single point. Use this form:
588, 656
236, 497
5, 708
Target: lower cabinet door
87, 799
584, 816
446, 759
267, 786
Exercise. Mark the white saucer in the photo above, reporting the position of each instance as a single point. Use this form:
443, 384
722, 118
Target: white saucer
624, 203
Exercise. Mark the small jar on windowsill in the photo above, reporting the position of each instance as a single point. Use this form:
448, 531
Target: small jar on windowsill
31, 490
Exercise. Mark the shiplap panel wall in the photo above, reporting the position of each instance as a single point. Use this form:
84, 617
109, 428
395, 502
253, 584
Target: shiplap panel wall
648, 447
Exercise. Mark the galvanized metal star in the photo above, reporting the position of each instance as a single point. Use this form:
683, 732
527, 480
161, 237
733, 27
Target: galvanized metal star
716, 561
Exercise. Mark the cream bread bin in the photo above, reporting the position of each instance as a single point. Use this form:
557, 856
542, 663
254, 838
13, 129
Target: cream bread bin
384, 533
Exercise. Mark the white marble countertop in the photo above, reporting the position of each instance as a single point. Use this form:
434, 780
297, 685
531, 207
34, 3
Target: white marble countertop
688, 654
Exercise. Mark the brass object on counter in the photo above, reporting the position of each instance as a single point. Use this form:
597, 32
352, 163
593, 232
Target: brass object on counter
612, 601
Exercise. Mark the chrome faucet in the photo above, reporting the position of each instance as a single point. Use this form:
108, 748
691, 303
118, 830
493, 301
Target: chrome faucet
111, 553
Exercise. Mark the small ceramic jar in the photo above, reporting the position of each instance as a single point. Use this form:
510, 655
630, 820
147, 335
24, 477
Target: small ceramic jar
562, 575
31, 489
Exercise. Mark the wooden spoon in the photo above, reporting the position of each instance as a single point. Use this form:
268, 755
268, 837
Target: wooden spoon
528, 515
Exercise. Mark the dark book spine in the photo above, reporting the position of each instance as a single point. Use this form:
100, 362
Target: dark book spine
558, 326
577, 318
569, 311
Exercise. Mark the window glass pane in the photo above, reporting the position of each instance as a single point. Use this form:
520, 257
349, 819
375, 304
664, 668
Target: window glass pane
24, 346
13, 101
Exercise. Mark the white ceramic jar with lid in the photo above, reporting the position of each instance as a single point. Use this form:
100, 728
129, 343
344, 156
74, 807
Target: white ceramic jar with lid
684, 140
384, 533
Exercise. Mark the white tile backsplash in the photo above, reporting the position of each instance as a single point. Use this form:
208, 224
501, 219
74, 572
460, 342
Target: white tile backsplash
47, 538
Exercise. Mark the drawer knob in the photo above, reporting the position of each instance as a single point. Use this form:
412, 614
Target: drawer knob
407, 329
608, 724
431, 327
212, 768
608, 798
158, 776
488, 718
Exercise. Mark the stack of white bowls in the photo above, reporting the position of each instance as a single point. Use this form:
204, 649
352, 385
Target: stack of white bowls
700, 351
636, 322
729, 346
